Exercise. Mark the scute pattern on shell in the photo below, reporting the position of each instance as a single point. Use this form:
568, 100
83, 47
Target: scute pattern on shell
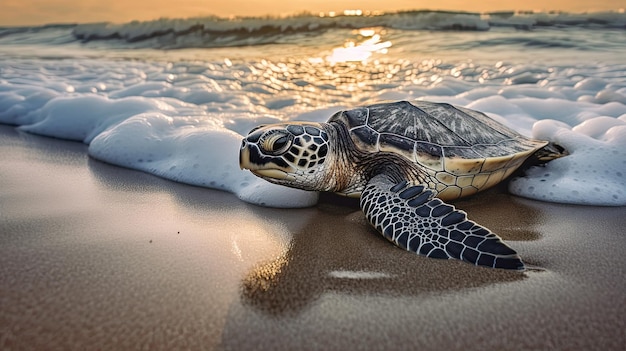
462, 151
435, 128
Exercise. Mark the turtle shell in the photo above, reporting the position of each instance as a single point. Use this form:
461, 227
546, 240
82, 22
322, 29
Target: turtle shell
449, 141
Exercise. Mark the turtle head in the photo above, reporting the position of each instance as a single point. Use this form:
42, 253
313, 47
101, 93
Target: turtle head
293, 154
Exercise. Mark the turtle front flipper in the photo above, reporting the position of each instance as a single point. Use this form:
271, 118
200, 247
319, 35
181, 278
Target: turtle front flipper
411, 218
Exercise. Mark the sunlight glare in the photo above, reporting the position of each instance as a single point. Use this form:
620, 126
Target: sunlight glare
352, 13
353, 52
367, 32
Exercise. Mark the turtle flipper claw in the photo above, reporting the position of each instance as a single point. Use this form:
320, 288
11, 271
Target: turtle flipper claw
411, 218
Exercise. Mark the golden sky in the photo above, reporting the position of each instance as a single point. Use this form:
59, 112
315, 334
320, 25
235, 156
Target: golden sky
33, 12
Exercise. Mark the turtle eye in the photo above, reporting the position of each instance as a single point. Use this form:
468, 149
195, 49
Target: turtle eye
275, 142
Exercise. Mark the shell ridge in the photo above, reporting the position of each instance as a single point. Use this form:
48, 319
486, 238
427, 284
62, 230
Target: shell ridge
419, 128
478, 119
440, 123
488, 121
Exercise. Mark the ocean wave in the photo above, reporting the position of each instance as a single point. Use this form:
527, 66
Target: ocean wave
219, 32
213, 32
530, 20
222, 32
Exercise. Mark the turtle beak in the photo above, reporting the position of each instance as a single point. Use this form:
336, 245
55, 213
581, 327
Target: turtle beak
273, 174
267, 167
244, 163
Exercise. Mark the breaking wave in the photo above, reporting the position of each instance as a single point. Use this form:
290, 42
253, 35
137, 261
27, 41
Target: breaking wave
210, 32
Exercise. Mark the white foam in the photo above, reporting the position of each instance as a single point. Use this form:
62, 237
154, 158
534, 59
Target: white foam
594, 172
183, 150
149, 126
81, 118
184, 121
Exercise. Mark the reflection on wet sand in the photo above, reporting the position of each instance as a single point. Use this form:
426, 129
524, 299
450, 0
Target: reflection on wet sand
78, 270
339, 252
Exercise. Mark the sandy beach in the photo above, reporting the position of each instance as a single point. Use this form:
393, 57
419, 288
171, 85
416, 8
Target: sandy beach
97, 257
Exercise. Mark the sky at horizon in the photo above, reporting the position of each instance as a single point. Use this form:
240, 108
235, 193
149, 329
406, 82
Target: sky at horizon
38, 12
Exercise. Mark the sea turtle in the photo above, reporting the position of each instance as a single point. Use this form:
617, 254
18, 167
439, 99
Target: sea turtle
403, 159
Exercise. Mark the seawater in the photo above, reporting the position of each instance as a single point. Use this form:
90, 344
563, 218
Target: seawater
173, 97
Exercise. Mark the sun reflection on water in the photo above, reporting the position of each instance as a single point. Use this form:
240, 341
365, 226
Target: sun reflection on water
361, 51
360, 67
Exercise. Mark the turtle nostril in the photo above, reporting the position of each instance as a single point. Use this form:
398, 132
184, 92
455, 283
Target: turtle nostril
244, 143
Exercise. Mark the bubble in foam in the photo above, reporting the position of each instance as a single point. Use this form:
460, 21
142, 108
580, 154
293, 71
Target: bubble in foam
608, 95
591, 84
598, 127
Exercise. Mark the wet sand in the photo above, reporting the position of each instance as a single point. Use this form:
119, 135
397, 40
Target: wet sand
94, 256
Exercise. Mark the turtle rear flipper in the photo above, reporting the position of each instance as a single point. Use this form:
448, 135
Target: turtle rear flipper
410, 217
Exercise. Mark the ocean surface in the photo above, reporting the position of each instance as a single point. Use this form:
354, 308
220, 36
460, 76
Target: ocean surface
173, 97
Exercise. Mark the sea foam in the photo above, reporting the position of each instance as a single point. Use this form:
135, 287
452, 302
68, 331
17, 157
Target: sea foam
594, 171
184, 121
186, 151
